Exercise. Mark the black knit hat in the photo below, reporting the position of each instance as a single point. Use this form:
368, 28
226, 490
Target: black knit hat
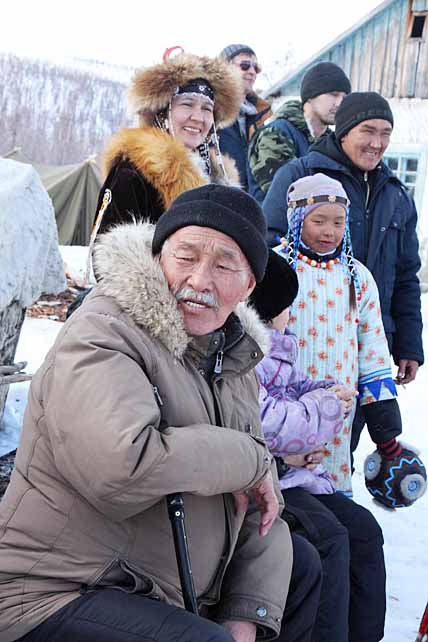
277, 290
231, 51
360, 106
226, 209
322, 79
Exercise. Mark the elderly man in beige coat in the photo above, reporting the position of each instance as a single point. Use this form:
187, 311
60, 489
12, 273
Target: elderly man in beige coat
148, 390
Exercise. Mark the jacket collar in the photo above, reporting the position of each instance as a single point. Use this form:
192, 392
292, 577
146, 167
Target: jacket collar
164, 162
130, 274
292, 110
327, 152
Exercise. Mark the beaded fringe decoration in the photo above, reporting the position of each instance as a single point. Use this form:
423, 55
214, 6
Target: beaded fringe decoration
326, 265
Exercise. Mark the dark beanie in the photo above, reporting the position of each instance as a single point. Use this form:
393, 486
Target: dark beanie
360, 106
277, 290
225, 209
231, 51
323, 78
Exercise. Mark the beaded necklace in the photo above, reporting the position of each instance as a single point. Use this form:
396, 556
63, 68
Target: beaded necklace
318, 264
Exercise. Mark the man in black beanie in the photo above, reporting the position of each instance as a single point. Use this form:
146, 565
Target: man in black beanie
382, 218
254, 110
153, 386
210, 239
297, 125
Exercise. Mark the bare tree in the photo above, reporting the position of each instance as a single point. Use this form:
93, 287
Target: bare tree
57, 115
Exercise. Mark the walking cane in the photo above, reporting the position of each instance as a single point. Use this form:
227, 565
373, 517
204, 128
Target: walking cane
175, 505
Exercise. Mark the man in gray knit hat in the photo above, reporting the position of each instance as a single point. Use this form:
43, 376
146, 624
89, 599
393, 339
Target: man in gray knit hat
254, 110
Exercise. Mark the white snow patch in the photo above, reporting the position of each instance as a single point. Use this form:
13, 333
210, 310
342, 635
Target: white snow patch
36, 338
75, 259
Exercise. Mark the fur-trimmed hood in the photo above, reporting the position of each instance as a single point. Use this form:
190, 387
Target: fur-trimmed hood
130, 274
165, 162
152, 88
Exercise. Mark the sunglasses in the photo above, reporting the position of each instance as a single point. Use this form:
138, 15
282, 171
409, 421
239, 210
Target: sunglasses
245, 65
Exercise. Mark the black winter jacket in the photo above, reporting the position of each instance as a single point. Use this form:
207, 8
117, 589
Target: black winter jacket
383, 223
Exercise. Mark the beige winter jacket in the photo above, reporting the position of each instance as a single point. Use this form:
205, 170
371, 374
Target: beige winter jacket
118, 416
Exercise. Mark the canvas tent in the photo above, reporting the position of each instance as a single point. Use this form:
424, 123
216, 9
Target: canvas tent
74, 192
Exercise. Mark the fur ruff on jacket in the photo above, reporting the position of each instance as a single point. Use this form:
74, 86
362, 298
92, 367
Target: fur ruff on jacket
164, 162
153, 88
144, 294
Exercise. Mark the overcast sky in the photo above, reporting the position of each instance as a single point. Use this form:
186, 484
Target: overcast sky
136, 33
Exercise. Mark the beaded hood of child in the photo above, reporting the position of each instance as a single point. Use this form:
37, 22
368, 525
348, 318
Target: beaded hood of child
303, 197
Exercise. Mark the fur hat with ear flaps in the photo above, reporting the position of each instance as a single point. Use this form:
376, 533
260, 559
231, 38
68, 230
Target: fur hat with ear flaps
152, 88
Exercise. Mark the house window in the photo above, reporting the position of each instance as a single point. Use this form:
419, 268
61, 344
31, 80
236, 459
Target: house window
405, 168
417, 28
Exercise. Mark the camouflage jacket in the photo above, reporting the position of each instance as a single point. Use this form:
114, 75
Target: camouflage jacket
280, 141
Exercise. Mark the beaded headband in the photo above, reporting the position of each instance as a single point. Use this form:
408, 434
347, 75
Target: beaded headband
197, 86
321, 198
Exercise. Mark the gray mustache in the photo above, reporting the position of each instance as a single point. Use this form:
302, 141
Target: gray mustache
199, 297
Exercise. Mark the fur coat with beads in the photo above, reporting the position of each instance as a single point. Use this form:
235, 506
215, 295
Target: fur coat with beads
146, 170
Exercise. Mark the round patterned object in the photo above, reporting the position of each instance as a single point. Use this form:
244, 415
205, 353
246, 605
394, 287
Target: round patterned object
395, 482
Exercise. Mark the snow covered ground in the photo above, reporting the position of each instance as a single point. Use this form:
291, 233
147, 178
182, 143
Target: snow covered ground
404, 529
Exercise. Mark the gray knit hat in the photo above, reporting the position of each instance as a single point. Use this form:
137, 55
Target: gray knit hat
231, 51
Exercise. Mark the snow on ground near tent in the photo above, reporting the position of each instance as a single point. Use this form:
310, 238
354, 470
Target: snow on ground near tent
75, 257
404, 529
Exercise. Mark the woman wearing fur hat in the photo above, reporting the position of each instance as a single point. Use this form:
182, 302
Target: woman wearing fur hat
180, 103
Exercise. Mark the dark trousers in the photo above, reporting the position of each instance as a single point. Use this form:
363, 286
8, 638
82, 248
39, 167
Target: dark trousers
111, 615
350, 544
301, 608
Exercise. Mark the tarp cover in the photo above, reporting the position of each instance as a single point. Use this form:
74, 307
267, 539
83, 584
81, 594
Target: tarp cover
30, 261
74, 193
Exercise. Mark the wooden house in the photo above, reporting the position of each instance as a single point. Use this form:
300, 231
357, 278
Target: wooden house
387, 52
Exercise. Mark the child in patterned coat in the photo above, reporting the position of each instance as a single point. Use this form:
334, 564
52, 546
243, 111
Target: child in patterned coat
337, 317
299, 415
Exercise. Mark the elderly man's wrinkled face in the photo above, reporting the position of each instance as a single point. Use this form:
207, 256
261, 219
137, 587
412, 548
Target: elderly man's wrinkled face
366, 143
208, 274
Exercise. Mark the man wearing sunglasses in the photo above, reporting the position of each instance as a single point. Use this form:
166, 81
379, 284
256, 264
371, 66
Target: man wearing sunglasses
297, 125
254, 110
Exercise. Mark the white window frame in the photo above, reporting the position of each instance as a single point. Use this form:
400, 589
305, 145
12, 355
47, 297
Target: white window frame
420, 153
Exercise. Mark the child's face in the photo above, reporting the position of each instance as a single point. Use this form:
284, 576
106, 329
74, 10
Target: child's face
281, 321
324, 227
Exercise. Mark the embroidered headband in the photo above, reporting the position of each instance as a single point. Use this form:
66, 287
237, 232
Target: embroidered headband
196, 86
320, 198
